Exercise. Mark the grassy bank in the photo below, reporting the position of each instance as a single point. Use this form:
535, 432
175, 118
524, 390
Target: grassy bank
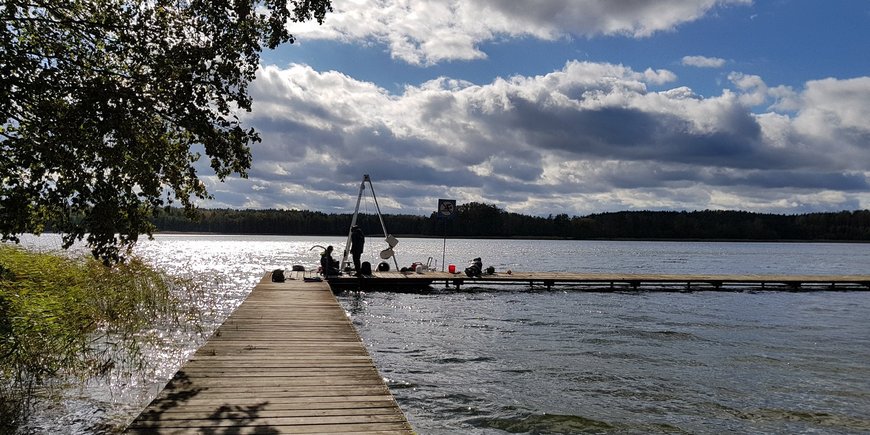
63, 318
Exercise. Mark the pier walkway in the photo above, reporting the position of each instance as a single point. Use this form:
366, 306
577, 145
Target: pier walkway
603, 282
288, 360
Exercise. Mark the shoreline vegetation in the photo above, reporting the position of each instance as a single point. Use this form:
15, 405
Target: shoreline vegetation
486, 221
65, 320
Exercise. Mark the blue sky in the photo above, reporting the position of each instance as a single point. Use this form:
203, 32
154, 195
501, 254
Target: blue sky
557, 106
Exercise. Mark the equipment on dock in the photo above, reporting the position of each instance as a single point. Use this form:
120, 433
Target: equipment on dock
386, 254
278, 275
475, 268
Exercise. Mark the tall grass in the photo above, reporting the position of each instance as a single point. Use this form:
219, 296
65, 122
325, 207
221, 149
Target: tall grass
66, 317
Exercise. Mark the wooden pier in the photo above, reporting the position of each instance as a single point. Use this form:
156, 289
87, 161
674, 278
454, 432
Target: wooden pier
399, 281
288, 360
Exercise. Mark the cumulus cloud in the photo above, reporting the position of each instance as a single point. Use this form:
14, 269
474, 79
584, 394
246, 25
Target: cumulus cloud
703, 61
753, 90
836, 107
587, 137
425, 32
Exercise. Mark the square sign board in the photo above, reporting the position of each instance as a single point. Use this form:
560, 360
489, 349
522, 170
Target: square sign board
446, 207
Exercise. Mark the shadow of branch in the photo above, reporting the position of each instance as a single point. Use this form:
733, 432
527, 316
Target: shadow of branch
224, 420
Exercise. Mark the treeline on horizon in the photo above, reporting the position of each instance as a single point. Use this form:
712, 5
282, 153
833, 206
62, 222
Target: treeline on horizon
486, 220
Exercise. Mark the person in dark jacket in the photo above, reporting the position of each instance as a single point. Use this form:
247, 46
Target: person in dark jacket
357, 241
328, 265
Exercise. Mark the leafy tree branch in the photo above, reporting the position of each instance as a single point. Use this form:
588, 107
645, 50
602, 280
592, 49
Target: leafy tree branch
102, 102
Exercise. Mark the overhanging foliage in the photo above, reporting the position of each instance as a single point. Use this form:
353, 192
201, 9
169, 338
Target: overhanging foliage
102, 101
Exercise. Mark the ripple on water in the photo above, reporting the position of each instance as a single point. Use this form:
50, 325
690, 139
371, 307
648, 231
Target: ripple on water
394, 384
664, 335
807, 419
516, 371
544, 423
456, 360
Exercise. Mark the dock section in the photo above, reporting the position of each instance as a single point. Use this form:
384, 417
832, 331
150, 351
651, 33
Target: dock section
387, 281
288, 360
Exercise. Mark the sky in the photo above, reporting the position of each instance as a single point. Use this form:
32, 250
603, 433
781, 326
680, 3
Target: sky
545, 107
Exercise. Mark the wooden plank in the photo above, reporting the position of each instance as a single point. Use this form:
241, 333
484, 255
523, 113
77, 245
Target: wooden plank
276, 364
289, 396
311, 405
296, 413
211, 404
232, 417
346, 429
288, 360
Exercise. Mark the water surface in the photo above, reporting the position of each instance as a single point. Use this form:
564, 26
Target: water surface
566, 362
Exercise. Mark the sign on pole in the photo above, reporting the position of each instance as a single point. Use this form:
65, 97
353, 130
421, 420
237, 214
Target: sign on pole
446, 210
446, 207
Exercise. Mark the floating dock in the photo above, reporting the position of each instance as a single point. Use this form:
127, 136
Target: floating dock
288, 360
406, 281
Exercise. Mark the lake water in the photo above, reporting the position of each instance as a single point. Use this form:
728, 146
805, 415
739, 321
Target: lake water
516, 360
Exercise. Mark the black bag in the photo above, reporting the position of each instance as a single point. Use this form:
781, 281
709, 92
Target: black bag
365, 268
384, 267
474, 268
278, 275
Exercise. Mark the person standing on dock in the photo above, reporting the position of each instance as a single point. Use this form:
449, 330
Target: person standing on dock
357, 241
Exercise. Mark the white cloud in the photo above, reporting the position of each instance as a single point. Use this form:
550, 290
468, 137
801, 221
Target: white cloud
753, 90
787, 100
832, 105
703, 61
587, 137
424, 32
659, 77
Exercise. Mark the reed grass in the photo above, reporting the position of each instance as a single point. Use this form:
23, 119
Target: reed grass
63, 317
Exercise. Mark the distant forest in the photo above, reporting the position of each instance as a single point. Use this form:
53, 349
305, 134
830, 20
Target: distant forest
486, 220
